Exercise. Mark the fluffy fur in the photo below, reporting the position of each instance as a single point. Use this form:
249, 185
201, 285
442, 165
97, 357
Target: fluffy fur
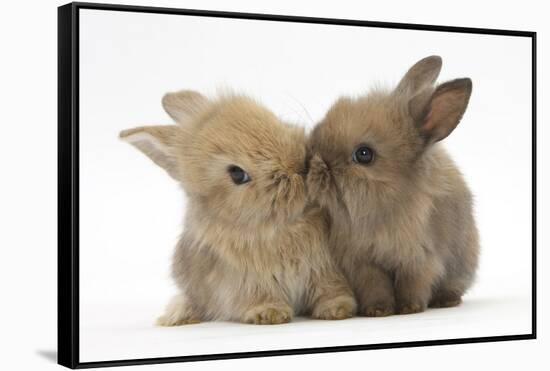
254, 252
402, 226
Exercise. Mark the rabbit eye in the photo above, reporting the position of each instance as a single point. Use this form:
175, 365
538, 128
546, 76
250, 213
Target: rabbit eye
238, 175
363, 155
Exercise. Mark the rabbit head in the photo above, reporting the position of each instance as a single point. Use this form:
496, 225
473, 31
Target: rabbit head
375, 146
232, 156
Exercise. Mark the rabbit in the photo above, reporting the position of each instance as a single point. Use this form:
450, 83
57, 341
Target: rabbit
403, 230
253, 249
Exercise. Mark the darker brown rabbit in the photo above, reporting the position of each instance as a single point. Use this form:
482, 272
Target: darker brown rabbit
402, 224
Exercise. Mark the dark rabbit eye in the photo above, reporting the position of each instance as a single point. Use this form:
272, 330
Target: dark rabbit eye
363, 155
238, 175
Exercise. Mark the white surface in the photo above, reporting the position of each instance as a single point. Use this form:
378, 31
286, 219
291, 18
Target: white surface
28, 188
132, 336
131, 211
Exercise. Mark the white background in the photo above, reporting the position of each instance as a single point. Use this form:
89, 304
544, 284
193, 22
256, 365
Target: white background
28, 237
131, 211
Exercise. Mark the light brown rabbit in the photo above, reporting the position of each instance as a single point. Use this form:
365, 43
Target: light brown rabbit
252, 249
402, 225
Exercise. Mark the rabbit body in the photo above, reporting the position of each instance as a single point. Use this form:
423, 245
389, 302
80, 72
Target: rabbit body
253, 250
262, 275
402, 228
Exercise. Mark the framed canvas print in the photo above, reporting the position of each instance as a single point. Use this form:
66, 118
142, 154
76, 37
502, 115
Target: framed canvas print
242, 185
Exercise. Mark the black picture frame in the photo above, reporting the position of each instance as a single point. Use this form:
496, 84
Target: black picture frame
68, 183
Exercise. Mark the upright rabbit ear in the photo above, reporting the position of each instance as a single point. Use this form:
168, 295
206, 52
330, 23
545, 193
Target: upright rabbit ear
183, 105
421, 75
157, 142
438, 112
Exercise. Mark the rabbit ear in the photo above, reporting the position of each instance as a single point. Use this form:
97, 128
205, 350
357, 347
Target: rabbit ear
184, 105
438, 112
157, 142
421, 75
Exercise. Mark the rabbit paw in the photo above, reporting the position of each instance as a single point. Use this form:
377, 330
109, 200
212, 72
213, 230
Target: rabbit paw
177, 313
410, 308
341, 307
381, 309
168, 321
268, 315
445, 301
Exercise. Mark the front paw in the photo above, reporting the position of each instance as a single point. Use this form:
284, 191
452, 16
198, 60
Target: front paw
379, 309
168, 321
341, 307
178, 312
377, 302
411, 307
268, 315
445, 301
